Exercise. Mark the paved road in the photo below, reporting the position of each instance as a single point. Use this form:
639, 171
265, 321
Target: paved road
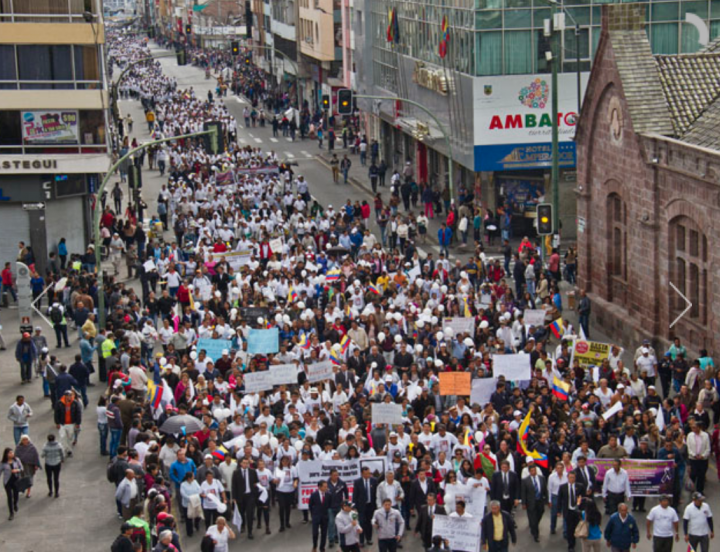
83, 519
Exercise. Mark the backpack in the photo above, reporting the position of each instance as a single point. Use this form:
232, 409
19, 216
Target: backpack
138, 535
56, 315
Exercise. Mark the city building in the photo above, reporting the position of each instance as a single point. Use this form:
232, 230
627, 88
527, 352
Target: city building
491, 90
648, 187
53, 121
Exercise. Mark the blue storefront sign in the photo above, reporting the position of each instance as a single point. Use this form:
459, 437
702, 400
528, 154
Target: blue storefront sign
507, 157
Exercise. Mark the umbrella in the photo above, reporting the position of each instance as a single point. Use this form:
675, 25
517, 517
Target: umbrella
182, 424
337, 250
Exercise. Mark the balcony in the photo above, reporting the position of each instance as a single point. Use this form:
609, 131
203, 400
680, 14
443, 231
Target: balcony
46, 11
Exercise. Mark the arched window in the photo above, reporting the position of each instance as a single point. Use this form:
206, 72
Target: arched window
616, 212
688, 268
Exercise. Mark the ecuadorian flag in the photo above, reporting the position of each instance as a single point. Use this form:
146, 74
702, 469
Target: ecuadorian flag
560, 389
540, 459
558, 328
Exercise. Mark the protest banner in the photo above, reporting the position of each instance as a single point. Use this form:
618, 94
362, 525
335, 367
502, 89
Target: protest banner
462, 534
513, 367
474, 497
534, 317
460, 324
214, 347
237, 259
589, 353
258, 381
312, 472
276, 245
320, 371
482, 390
386, 413
647, 477
263, 342
284, 374
455, 383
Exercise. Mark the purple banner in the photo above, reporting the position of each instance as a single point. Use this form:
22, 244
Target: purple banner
647, 477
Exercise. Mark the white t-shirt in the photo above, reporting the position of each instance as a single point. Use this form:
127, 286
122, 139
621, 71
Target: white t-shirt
663, 519
697, 519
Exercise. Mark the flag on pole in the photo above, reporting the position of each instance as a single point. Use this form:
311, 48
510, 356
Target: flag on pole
557, 328
444, 37
523, 431
560, 389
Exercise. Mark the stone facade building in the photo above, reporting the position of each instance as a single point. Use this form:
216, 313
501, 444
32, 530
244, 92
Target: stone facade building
648, 193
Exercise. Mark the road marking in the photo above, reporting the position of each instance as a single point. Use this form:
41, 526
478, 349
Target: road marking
289, 155
307, 154
258, 140
274, 140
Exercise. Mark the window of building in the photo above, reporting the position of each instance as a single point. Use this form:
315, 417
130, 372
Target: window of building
617, 235
689, 268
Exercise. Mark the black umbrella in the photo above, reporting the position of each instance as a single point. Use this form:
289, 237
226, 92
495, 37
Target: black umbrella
337, 250
182, 424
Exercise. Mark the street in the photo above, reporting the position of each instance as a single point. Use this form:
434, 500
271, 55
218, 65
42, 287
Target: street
83, 518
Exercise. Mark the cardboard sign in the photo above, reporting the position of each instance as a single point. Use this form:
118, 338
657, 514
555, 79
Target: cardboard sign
386, 413
513, 367
455, 383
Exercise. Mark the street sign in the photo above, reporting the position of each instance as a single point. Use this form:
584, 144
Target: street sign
33, 206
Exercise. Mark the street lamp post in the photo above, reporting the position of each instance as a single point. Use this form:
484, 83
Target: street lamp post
98, 209
437, 122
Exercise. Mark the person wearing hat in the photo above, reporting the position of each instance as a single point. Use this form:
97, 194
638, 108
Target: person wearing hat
348, 527
662, 524
698, 524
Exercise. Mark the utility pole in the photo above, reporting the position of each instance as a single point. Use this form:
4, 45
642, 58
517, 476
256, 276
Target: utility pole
555, 170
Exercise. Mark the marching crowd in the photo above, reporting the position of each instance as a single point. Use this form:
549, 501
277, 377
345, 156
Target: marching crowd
250, 249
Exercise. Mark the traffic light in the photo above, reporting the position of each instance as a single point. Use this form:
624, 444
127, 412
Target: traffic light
188, 29
214, 143
344, 101
544, 219
326, 101
235, 47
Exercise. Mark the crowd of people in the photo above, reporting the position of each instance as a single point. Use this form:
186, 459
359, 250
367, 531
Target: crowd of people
238, 244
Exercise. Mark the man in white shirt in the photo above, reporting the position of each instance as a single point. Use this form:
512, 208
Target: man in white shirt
662, 523
698, 524
616, 487
698, 444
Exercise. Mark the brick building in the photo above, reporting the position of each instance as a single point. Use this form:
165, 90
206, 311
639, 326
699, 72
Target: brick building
648, 194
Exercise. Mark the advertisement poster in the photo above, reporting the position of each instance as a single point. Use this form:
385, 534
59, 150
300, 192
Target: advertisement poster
589, 353
647, 477
50, 127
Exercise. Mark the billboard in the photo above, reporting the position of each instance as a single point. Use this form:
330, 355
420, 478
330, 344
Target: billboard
49, 127
513, 122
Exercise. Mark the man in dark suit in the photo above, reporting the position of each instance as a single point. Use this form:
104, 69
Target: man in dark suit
534, 496
494, 516
426, 514
420, 489
365, 496
245, 493
505, 487
319, 509
568, 496
586, 475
